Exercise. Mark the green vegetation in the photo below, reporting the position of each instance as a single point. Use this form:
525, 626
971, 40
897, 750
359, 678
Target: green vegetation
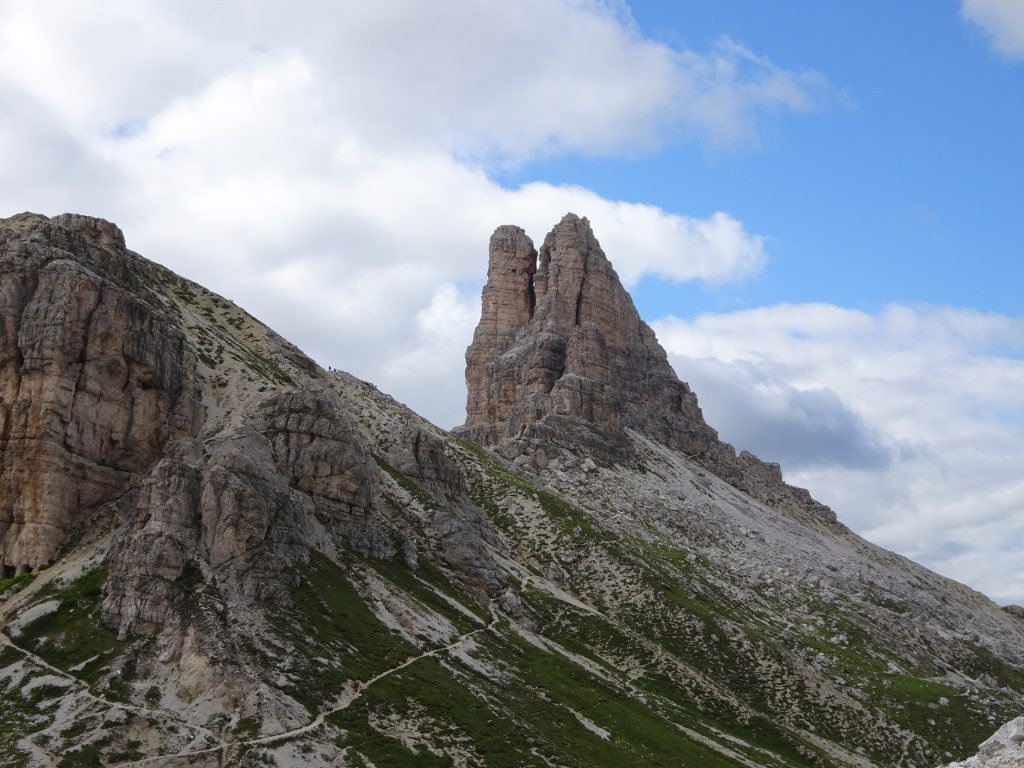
23, 712
335, 635
15, 584
247, 727
412, 583
9, 655
685, 613
528, 722
82, 757
74, 634
18, 718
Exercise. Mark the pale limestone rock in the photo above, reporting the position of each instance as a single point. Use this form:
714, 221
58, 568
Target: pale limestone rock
1003, 749
562, 358
1009, 739
94, 380
103, 410
295, 477
460, 531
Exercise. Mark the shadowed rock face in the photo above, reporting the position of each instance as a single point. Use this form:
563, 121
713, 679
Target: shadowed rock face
93, 382
562, 360
297, 477
126, 404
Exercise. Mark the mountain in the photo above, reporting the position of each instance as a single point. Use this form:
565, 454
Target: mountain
217, 553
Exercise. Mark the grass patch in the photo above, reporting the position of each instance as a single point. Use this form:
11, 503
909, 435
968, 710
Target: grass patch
75, 634
407, 580
528, 722
83, 757
15, 584
334, 633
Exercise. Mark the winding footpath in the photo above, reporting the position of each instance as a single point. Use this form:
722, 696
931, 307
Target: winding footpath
80, 686
355, 692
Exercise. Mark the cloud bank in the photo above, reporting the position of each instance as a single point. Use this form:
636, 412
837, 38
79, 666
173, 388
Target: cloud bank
330, 166
908, 421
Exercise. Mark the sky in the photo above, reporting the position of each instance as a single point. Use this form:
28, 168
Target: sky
817, 206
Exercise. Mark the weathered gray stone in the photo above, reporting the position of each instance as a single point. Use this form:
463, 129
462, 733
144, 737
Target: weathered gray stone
94, 380
561, 358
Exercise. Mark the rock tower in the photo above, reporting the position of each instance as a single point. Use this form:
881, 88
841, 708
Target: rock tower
561, 360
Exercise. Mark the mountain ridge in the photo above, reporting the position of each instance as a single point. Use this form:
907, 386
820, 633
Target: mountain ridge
305, 572
561, 356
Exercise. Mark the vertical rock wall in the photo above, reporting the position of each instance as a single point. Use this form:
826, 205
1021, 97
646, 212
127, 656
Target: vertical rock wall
93, 381
562, 359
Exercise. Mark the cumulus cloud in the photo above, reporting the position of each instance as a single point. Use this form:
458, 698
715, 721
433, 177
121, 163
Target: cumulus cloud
287, 157
908, 421
1001, 20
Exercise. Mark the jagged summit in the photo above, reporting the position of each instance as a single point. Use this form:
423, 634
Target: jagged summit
253, 561
560, 347
562, 360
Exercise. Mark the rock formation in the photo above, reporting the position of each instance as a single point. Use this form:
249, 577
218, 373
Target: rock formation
93, 382
562, 360
324, 578
120, 397
1003, 749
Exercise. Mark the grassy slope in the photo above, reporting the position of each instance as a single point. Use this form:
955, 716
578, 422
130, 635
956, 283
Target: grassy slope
658, 678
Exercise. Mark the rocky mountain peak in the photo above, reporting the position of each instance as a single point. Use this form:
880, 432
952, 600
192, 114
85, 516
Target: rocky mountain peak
99, 231
562, 361
251, 560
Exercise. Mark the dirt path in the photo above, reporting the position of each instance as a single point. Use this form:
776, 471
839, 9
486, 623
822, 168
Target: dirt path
81, 686
352, 695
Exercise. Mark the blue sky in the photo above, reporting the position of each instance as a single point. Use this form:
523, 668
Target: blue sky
817, 205
904, 185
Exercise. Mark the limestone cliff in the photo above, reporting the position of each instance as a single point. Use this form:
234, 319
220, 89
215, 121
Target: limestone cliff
217, 453
561, 360
93, 382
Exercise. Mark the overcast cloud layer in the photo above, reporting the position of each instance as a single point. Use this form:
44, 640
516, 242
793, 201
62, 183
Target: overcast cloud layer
329, 166
909, 422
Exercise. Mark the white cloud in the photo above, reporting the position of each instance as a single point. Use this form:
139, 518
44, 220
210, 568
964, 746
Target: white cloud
472, 77
1001, 20
909, 421
326, 165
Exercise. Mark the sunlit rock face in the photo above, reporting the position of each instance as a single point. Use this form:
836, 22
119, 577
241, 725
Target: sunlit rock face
561, 360
93, 382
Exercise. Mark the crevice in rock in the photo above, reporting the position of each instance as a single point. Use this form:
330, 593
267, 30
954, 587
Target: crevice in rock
579, 294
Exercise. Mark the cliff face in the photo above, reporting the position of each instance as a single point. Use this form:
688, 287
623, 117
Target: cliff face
324, 578
93, 383
135, 402
562, 361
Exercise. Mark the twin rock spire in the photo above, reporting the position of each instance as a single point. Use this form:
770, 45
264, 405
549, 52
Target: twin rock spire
562, 361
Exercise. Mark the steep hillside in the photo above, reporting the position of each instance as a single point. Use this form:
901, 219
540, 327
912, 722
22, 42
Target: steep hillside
216, 553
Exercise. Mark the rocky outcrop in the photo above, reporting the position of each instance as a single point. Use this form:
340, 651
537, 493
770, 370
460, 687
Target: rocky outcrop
562, 360
295, 478
94, 381
219, 452
458, 529
1003, 749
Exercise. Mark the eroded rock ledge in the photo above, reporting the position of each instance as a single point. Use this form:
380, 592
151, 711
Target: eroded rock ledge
216, 454
561, 360
93, 382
